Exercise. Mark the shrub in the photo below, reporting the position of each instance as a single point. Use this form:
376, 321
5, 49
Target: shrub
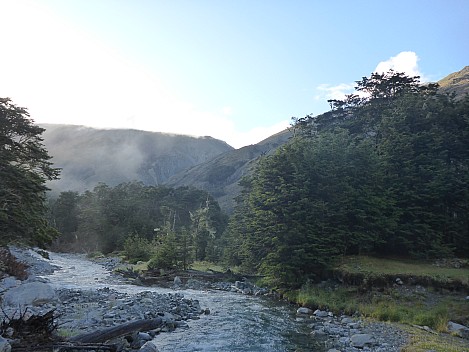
165, 256
137, 248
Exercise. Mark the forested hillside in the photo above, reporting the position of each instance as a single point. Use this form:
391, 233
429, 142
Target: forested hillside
386, 171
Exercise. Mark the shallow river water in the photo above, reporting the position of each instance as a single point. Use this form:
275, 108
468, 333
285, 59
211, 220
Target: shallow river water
236, 323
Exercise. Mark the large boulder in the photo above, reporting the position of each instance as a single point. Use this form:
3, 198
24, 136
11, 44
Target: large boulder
458, 330
29, 294
361, 340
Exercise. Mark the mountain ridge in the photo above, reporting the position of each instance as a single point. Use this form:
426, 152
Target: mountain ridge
202, 162
89, 156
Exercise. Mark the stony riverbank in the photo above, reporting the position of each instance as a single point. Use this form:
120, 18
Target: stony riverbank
80, 311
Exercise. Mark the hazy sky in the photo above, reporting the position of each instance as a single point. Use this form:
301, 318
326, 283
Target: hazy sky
236, 70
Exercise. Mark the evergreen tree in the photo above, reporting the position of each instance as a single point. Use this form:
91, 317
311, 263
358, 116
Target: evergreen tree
24, 170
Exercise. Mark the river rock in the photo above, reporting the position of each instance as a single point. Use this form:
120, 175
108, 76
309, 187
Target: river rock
30, 294
149, 347
458, 329
361, 340
303, 310
321, 313
9, 282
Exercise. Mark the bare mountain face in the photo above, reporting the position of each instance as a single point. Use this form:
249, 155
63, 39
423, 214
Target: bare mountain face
88, 156
457, 82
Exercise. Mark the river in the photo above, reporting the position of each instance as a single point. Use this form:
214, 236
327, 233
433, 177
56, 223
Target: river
236, 323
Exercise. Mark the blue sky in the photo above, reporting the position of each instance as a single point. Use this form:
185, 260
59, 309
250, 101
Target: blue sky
233, 69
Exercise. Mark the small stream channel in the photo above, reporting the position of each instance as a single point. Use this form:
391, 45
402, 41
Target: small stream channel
236, 323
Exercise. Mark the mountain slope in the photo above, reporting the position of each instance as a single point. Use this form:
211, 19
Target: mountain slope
88, 156
457, 82
221, 175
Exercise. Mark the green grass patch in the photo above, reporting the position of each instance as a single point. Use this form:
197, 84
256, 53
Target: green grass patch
343, 300
371, 266
389, 305
207, 266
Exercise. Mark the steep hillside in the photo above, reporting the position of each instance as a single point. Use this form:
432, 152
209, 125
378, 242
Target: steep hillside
89, 156
221, 175
457, 82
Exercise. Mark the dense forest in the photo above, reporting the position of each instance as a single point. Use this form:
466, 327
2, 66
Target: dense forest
172, 226
384, 172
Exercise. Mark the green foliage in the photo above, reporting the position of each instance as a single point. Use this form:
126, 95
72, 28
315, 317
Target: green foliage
340, 300
24, 170
109, 218
137, 248
166, 256
385, 171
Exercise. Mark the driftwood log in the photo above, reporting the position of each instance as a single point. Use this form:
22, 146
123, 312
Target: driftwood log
64, 347
101, 336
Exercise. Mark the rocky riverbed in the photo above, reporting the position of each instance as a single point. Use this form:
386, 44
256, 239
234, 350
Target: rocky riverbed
80, 310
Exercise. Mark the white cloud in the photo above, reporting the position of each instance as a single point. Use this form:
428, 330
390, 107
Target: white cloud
327, 91
405, 61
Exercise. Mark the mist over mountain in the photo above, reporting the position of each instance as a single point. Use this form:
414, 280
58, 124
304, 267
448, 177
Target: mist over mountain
88, 156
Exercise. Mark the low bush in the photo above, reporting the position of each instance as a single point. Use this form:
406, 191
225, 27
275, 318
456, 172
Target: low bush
137, 248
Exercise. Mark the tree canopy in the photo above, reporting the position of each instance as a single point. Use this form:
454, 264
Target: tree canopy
386, 171
111, 218
24, 169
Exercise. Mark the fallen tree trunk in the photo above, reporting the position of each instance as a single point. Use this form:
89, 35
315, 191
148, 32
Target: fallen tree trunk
66, 347
104, 335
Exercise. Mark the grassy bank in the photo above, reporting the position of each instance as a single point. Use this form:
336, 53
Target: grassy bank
376, 294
